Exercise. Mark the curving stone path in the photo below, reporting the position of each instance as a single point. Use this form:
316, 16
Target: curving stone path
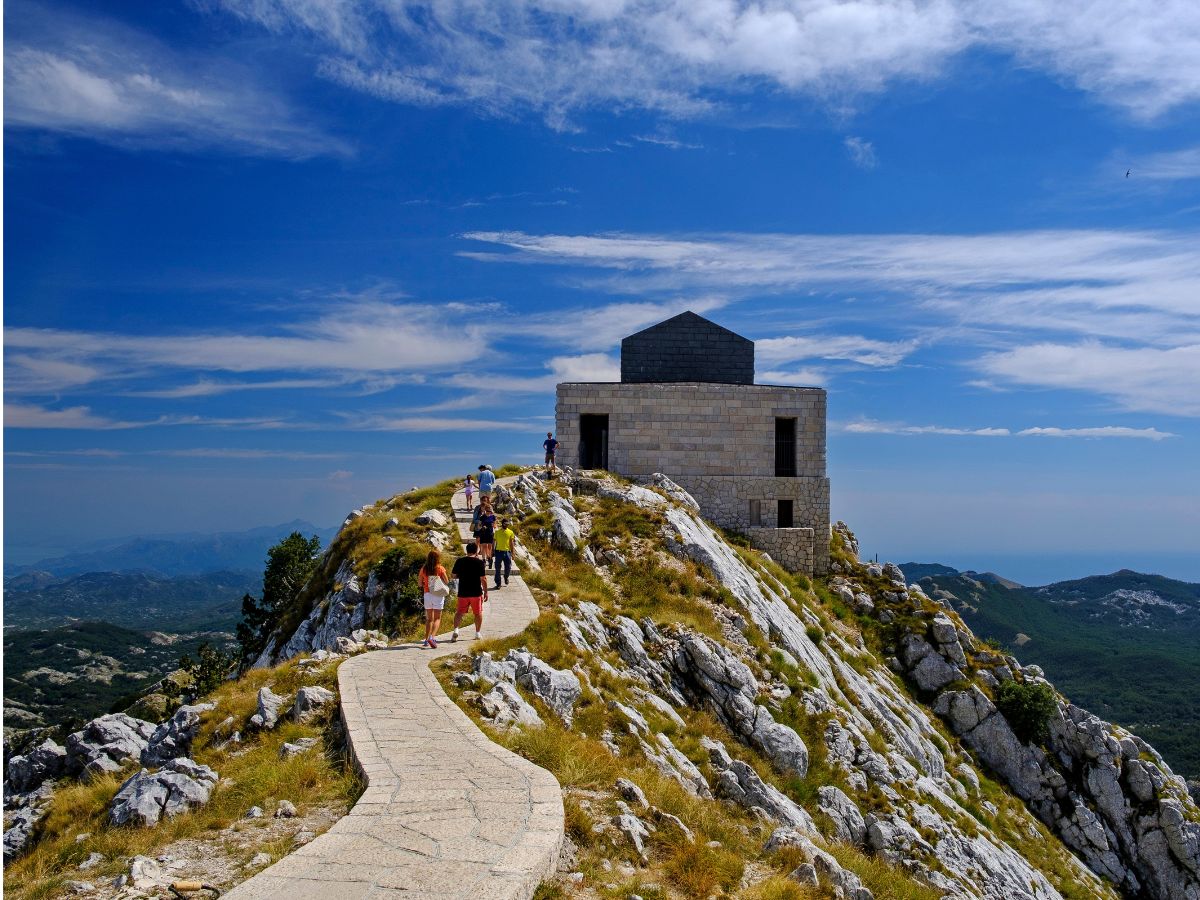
446, 812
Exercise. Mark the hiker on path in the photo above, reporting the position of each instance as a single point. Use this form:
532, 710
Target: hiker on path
505, 538
472, 589
469, 490
485, 530
550, 445
487, 481
436, 588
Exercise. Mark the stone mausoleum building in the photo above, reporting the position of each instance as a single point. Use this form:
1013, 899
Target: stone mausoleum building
753, 455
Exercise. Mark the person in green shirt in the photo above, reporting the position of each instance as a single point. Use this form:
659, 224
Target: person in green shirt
505, 538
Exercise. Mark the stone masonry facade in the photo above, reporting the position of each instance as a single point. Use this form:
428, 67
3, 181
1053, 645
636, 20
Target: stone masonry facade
718, 442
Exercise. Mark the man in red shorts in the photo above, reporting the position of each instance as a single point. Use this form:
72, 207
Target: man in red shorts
472, 588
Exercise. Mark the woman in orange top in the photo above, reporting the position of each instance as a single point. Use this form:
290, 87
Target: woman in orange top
433, 602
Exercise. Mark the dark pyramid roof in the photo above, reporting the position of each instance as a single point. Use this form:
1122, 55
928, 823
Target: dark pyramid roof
687, 347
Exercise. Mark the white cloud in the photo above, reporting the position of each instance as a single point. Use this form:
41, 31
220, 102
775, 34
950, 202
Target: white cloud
358, 338
91, 77
866, 351
601, 327
19, 415
22, 415
481, 424
684, 58
861, 152
1174, 165
873, 426
798, 378
1110, 312
1147, 379
1106, 431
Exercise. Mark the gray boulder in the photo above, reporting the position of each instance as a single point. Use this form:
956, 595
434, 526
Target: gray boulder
635, 830
933, 673
433, 517
731, 689
46, 761
848, 823
557, 688
565, 532
738, 782
505, 706
107, 744
311, 702
146, 797
22, 824
631, 793
303, 745
173, 738
269, 706
484, 666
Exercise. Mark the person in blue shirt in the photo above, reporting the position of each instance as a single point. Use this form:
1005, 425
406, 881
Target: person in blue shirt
487, 482
550, 445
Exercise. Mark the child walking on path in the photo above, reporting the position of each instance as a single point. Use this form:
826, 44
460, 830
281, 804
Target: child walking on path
469, 490
435, 587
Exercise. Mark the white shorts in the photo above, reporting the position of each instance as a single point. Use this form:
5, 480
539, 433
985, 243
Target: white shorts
434, 601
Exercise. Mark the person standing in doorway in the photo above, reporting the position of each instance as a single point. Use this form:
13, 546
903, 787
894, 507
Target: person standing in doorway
550, 445
487, 482
472, 589
435, 587
505, 538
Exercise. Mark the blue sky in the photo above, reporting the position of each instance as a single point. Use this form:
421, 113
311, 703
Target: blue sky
268, 259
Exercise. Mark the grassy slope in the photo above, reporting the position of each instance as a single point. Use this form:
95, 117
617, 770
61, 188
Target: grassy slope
252, 774
1143, 679
672, 593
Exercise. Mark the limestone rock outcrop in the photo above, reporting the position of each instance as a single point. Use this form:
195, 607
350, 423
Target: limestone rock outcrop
173, 738
148, 796
107, 744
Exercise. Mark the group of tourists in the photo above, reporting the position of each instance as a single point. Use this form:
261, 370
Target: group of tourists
491, 548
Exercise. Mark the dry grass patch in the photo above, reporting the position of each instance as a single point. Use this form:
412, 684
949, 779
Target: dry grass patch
252, 774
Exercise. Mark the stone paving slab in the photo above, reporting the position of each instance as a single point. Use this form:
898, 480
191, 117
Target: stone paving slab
446, 812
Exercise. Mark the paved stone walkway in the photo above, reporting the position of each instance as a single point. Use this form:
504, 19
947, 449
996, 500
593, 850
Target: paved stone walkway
446, 812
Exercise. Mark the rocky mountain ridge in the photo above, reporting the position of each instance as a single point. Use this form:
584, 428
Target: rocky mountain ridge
905, 721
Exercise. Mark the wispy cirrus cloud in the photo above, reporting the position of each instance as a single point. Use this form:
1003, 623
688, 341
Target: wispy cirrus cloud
24, 415
682, 58
1152, 379
861, 152
88, 76
873, 426
357, 341
1109, 312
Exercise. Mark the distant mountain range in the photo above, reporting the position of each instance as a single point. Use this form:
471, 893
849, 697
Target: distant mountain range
132, 599
1125, 645
169, 555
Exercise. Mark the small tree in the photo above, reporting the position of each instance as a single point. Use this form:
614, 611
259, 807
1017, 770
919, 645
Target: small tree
208, 670
290, 564
1028, 708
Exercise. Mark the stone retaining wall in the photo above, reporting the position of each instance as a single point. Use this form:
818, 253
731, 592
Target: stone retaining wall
792, 548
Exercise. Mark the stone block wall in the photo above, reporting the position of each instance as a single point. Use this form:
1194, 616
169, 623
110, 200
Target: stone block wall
792, 548
717, 441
